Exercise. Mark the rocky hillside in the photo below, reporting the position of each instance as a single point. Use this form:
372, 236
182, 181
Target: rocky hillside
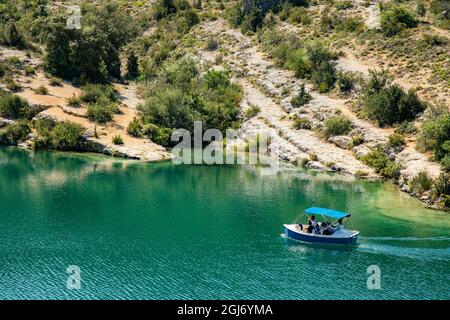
358, 87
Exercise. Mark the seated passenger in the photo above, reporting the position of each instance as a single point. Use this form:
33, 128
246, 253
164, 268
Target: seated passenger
312, 223
328, 230
339, 225
317, 229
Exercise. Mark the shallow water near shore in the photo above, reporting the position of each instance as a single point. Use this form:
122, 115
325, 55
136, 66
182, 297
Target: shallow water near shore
161, 231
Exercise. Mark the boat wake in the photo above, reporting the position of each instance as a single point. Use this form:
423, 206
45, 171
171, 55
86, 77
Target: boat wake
441, 238
377, 245
442, 254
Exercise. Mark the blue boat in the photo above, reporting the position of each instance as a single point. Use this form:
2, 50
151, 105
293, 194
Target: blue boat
341, 235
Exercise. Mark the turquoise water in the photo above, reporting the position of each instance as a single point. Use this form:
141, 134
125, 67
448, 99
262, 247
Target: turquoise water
160, 231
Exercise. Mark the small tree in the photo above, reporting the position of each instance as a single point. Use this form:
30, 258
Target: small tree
421, 10
132, 65
301, 98
336, 126
394, 20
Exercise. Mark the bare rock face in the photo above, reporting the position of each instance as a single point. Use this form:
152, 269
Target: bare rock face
5, 122
413, 162
360, 151
316, 165
342, 142
44, 115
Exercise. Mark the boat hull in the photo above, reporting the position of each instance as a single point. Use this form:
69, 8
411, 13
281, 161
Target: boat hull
313, 238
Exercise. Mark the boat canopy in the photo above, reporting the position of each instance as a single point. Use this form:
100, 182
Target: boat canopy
327, 213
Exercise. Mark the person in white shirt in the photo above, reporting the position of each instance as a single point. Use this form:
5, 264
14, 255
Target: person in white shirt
312, 224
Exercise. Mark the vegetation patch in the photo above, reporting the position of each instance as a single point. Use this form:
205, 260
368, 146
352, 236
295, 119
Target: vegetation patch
337, 126
387, 103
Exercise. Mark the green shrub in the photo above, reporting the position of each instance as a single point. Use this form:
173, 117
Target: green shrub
387, 103
42, 90
301, 98
12, 85
181, 96
252, 111
382, 164
117, 140
92, 53
441, 9
132, 65
14, 133
345, 81
396, 19
101, 111
318, 53
343, 5
420, 183
442, 185
67, 135
252, 21
324, 77
55, 82
406, 128
13, 35
433, 40
92, 93
323, 72
396, 141
336, 126
43, 127
185, 20
158, 135
376, 159
74, 101
392, 170
301, 123
168, 108
29, 70
295, 60
14, 107
421, 9
357, 140
298, 15
4, 68
350, 24
214, 79
445, 163
163, 8
435, 134
134, 128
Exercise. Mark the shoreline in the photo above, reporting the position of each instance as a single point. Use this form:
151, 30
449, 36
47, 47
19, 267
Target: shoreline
305, 166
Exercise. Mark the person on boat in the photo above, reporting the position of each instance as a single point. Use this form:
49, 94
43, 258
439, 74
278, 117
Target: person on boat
312, 223
317, 229
327, 229
339, 225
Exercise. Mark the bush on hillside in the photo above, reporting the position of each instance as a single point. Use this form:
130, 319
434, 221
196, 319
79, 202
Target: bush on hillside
420, 183
435, 136
301, 98
14, 133
387, 103
336, 126
15, 107
395, 19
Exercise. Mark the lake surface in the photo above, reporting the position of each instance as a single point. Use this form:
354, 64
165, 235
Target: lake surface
161, 231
